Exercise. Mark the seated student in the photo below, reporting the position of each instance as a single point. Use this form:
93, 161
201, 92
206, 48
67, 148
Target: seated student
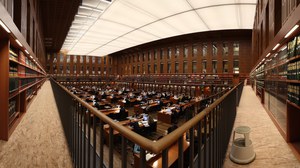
122, 114
136, 127
98, 106
172, 128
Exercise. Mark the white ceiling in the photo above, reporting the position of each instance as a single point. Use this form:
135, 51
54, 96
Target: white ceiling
102, 28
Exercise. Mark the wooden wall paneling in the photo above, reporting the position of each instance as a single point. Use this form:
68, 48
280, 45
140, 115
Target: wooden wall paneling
24, 17
271, 20
10, 8
28, 23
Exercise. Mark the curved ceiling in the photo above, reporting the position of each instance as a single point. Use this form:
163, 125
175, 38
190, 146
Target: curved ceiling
101, 28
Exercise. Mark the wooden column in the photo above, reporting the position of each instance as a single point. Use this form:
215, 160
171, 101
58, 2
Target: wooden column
4, 85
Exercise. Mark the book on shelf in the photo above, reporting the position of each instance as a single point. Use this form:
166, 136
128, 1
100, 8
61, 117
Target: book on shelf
13, 84
294, 70
291, 48
283, 54
293, 93
13, 55
21, 71
13, 71
298, 46
12, 107
22, 57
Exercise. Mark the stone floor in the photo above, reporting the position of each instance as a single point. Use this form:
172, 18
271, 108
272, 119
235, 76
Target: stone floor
39, 140
271, 149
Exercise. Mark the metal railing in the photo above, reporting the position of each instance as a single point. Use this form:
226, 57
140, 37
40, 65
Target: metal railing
207, 132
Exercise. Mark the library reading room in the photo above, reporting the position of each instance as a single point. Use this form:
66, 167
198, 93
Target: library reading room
149, 83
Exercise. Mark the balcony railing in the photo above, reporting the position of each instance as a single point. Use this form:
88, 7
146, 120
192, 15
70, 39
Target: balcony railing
200, 142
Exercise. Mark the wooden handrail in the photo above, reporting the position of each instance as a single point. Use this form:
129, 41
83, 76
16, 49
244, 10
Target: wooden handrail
152, 146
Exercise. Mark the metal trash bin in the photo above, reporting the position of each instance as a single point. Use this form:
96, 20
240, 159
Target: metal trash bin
242, 149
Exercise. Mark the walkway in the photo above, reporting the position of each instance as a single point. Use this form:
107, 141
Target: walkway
271, 149
38, 141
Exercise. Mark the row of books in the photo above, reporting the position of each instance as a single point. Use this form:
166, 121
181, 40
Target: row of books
293, 93
13, 55
12, 107
282, 54
27, 81
13, 71
293, 71
13, 84
294, 47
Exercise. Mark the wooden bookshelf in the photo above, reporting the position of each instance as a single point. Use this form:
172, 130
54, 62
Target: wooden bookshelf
281, 82
19, 74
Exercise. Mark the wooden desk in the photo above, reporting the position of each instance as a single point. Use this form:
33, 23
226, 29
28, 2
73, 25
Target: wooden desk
115, 132
164, 117
156, 161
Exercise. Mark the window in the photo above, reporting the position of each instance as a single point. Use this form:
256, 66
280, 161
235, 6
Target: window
87, 70
144, 56
236, 48
139, 57
138, 69
169, 67
133, 69
81, 69
155, 54
99, 70
99, 60
225, 66
143, 69
204, 49
48, 57
236, 68
93, 59
185, 67
68, 69
68, 58
149, 55
61, 69
185, 53
225, 49
93, 69
169, 53
61, 58
161, 53
54, 69
195, 50
155, 68
75, 59
204, 66
80, 59
194, 67
176, 67
161, 68
149, 68
214, 66
176, 52
87, 59
104, 71
74, 69
105, 60
214, 48
54, 58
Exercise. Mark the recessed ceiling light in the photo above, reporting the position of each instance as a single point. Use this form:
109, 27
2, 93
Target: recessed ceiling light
291, 31
19, 43
4, 27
